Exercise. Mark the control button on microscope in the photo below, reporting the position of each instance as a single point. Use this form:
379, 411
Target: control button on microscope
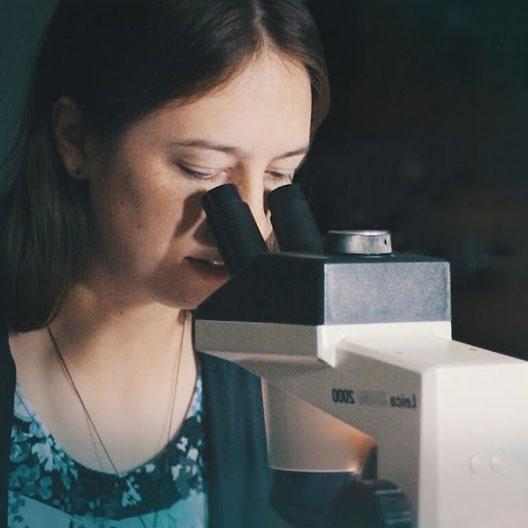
363, 242
496, 463
475, 465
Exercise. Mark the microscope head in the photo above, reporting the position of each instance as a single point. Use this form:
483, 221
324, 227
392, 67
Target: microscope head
311, 282
304, 289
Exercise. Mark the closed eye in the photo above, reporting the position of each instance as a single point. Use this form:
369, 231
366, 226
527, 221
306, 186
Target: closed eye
282, 175
202, 175
287, 174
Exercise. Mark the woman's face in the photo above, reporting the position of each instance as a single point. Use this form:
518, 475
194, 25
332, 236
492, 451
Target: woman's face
151, 234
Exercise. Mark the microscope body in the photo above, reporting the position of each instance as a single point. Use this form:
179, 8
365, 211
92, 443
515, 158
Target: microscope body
356, 351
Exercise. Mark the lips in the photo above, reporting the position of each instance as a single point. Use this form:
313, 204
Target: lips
210, 266
215, 264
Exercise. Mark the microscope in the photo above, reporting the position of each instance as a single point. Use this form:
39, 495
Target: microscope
352, 342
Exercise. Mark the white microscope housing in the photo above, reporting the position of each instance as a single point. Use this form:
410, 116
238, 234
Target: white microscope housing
356, 351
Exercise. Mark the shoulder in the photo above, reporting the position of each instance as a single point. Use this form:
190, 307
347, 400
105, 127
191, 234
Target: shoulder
7, 367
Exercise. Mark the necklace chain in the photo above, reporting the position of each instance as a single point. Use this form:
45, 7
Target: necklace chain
89, 419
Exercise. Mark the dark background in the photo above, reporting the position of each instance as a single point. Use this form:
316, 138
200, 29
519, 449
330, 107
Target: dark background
426, 137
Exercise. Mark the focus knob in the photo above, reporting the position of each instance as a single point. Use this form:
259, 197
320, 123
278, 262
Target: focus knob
372, 504
364, 242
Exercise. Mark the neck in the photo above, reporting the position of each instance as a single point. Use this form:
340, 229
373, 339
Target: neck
96, 326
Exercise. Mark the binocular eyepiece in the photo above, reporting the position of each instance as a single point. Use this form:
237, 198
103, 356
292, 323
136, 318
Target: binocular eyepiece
236, 232
239, 240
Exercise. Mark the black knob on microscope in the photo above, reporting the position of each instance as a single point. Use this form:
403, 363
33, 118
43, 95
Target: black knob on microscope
372, 504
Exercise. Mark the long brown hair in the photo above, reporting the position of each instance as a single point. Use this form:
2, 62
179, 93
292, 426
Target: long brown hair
119, 60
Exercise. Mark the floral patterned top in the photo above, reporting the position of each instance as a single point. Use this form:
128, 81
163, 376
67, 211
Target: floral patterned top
47, 488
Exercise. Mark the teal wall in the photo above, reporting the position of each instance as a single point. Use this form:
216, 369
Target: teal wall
21, 23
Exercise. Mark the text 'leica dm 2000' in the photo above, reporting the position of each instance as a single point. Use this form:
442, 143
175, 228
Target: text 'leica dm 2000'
360, 374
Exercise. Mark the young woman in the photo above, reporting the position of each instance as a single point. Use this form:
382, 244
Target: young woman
136, 109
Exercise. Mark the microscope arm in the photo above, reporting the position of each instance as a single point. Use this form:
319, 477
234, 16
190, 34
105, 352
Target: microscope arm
448, 419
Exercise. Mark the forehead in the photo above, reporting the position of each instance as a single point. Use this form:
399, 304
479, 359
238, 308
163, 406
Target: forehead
265, 107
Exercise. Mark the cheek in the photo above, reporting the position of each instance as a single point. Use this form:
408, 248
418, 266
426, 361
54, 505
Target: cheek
191, 213
137, 210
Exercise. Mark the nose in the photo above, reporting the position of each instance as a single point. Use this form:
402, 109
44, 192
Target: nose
252, 189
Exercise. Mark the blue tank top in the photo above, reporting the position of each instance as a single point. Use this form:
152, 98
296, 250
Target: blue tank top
48, 488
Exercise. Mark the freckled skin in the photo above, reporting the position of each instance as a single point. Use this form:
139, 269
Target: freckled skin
263, 112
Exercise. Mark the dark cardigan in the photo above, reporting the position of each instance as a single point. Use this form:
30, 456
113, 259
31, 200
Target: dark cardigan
239, 480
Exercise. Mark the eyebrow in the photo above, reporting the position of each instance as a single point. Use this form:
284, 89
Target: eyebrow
226, 149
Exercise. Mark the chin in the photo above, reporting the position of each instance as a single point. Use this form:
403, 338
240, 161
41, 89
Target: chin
189, 299
199, 299
186, 288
